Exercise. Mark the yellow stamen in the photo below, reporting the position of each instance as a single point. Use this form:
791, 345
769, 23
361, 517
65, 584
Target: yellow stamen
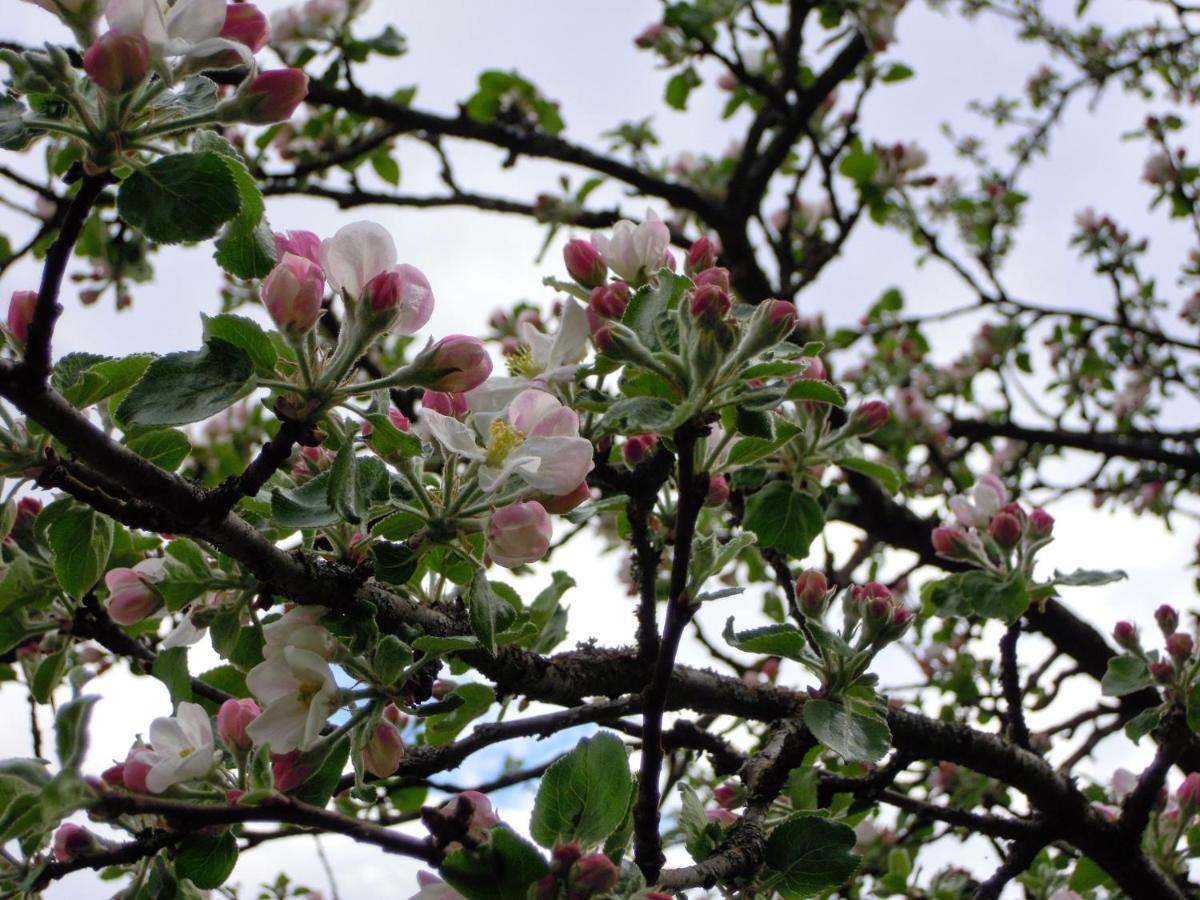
521, 363
503, 439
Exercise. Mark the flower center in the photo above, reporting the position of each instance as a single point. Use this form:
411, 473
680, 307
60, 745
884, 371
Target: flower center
503, 439
307, 691
521, 363
186, 752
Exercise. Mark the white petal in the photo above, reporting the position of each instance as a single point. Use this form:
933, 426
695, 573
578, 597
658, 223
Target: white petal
281, 725
195, 20
307, 666
570, 344
134, 16
271, 679
162, 774
184, 634
451, 434
529, 408
195, 724
356, 254
167, 736
563, 462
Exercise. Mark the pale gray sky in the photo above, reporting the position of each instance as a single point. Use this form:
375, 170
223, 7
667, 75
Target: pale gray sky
581, 53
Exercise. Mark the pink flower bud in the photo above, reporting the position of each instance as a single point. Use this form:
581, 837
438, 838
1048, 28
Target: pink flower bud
399, 420
1162, 672
638, 447
457, 364
872, 590
137, 766
28, 508
718, 491
518, 533
406, 290
482, 819
232, 719
814, 369
716, 276
1041, 523
948, 541
246, 24
722, 817
131, 596
564, 503
901, 616
710, 304
273, 96
1005, 530
293, 292
812, 588
594, 874
233, 796
114, 775
453, 405
566, 855
298, 243
70, 841
585, 264
608, 302
871, 416
780, 317
384, 750
1167, 619
117, 62
1125, 634
1188, 795
649, 36
700, 256
289, 770
1180, 645
20, 314
727, 795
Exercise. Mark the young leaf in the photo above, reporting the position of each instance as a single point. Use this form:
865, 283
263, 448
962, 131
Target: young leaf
851, 735
1125, 674
504, 868
784, 519
181, 388
583, 796
490, 613
206, 860
81, 539
770, 640
807, 855
183, 197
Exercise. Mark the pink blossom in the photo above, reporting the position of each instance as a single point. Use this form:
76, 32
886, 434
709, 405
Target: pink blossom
232, 719
20, 314
293, 292
117, 62
406, 290
274, 95
518, 534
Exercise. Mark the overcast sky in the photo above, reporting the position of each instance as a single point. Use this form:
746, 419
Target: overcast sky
582, 55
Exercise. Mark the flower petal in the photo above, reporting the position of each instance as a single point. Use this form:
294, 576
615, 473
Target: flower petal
563, 462
193, 21
450, 434
356, 254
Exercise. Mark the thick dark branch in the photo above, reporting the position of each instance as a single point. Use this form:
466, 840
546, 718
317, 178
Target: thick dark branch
1106, 443
273, 454
187, 817
1010, 680
1135, 811
121, 855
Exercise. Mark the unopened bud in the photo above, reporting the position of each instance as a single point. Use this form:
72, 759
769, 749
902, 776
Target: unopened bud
564, 503
1162, 672
1041, 523
246, 24
72, 841
593, 875
718, 491
949, 541
273, 96
812, 590
607, 303
700, 256
292, 293
710, 305
455, 364
1167, 619
869, 417
453, 405
1005, 530
1180, 645
20, 314
290, 770
384, 750
232, 719
403, 292
132, 597
715, 276
518, 534
814, 369
1188, 795
585, 264
638, 447
117, 62
1126, 636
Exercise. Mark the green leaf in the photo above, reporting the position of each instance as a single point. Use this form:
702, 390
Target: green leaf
784, 519
1147, 720
896, 72
853, 736
306, 506
247, 335
813, 391
386, 439
639, 415
246, 247
394, 563
345, 497
647, 312
164, 447
171, 668
320, 787
583, 796
807, 855
700, 834
888, 477
180, 388
680, 86
770, 640
1124, 675
13, 133
476, 700
503, 868
438, 646
385, 166
751, 449
979, 594
70, 732
48, 676
101, 378
490, 613
187, 573
1087, 875
1088, 577
81, 539
183, 197
206, 860
390, 658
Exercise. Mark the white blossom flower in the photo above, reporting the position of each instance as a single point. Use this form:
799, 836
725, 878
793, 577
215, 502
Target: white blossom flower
356, 254
987, 497
634, 251
298, 627
190, 28
539, 443
181, 748
543, 361
298, 693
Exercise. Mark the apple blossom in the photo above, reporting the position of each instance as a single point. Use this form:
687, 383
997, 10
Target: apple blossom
584, 263
700, 256
298, 627
454, 405
869, 417
518, 534
20, 314
246, 24
539, 443
72, 841
638, 447
133, 595
292, 293
634, 251
356, 254
405, 292
273, 96
232, 719
456, 364
117, 62
987, 498
182, 748
298, 693
190, 27
299, 243
384, 749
